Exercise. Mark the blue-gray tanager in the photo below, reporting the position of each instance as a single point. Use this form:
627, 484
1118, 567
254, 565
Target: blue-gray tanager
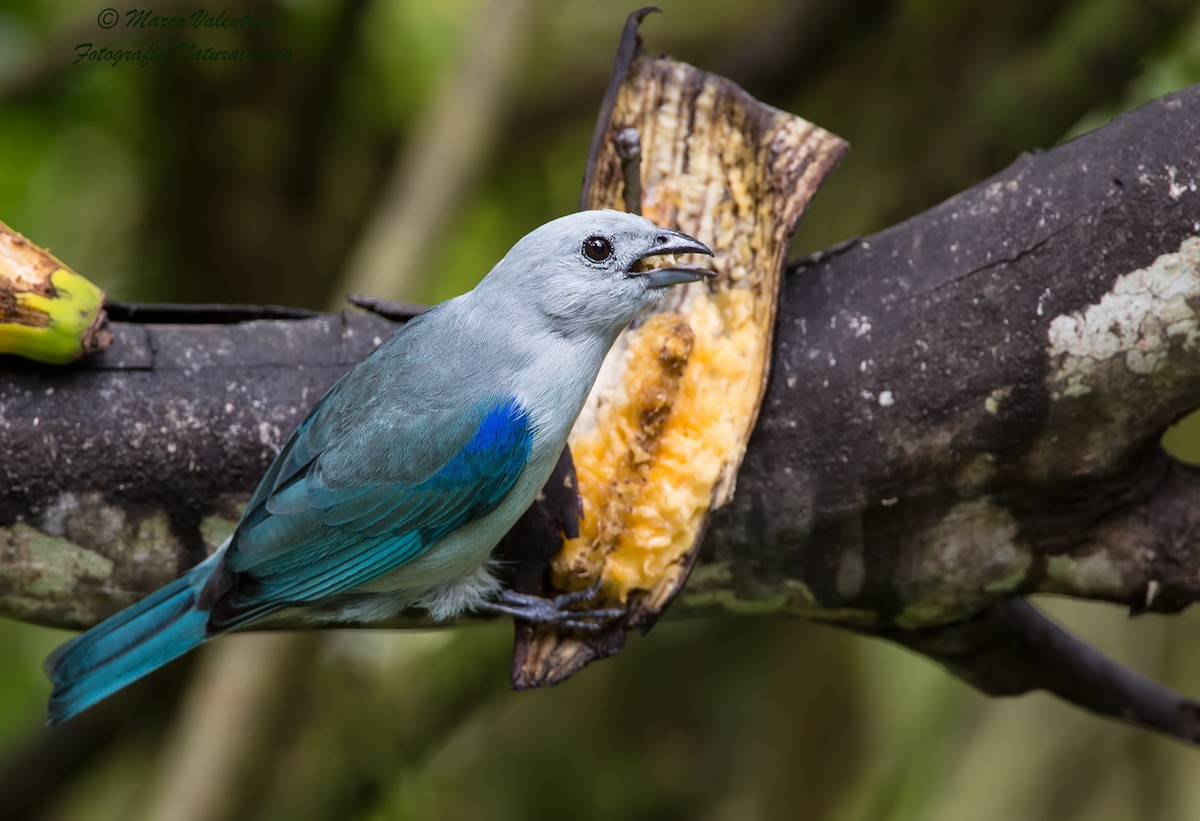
405, 475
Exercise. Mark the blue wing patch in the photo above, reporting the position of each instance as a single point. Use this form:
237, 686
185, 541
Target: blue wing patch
310, 538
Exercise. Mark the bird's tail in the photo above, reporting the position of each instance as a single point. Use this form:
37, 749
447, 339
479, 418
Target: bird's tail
133, 643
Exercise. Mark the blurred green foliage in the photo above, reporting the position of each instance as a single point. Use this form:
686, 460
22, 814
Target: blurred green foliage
251, 181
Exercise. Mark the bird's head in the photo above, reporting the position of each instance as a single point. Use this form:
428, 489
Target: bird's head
597, 270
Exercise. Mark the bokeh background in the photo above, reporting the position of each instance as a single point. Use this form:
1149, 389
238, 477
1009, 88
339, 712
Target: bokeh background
400, 151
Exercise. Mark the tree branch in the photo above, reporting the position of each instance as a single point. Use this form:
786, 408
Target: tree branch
963, 409
1013, 649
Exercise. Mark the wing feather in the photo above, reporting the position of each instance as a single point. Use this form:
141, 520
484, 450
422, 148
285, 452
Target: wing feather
330, 524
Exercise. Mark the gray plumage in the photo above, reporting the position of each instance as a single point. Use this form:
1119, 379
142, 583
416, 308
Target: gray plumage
396, 488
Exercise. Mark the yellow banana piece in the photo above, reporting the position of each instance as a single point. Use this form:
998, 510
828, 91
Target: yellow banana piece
48, 312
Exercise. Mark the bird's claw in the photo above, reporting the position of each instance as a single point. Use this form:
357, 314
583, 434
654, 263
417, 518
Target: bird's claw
542, 610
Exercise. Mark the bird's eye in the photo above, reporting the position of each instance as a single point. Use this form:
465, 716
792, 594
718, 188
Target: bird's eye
597, 249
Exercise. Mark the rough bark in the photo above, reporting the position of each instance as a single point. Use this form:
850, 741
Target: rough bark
963, 409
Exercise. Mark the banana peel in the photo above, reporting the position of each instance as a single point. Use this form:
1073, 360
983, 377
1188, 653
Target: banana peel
658, 445
48, 312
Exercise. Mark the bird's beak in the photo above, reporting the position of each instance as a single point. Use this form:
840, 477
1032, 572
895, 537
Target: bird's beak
667, 242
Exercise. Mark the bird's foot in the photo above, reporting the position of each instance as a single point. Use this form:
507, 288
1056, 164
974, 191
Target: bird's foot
556, 610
